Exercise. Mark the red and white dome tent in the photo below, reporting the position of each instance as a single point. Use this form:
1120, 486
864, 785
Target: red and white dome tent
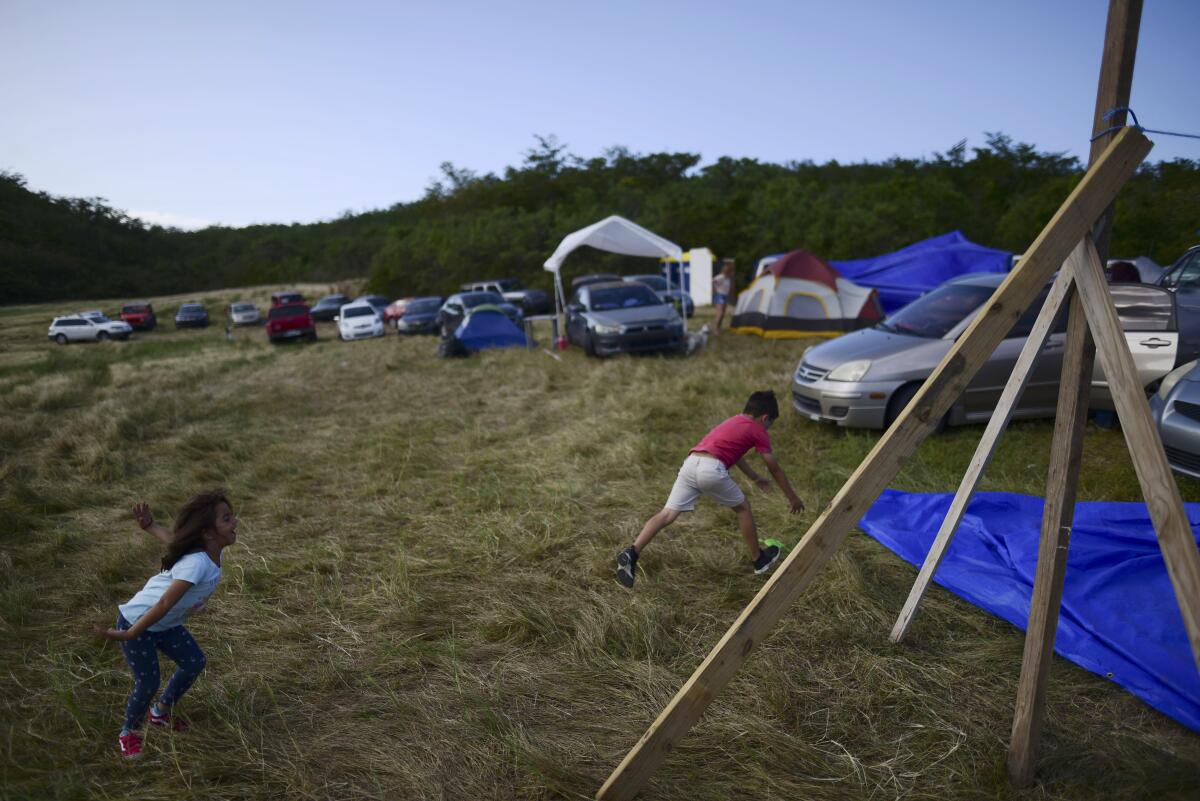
802, 295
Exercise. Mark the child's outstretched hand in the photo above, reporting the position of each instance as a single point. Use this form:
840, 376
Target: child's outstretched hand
143, 515
764, 484
110, 634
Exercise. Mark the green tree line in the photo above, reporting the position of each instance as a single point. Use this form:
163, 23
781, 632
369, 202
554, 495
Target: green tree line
469, 226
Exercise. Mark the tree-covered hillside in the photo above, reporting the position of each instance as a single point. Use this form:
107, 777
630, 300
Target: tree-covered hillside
471, 226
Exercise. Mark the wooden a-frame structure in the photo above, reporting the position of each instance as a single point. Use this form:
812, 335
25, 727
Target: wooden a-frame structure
1068, 241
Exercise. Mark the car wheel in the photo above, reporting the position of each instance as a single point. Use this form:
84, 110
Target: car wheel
61, 339
312, 337
589, 345
900, 399
102, 336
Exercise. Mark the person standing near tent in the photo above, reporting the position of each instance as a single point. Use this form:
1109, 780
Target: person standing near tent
706, 472
722, 287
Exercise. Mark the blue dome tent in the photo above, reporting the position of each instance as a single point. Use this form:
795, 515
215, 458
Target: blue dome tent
487, 327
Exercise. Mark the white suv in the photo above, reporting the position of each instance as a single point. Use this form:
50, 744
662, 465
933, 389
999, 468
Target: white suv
87, 327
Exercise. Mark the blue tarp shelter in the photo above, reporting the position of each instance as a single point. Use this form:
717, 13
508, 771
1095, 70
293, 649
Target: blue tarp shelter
1119, 616
488, 327
903, 276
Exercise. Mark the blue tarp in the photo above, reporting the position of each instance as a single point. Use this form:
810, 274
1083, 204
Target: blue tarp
1119, 615
903, 276
488, 328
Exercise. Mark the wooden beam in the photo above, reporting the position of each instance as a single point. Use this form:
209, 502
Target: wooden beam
1057, 519
1162, 496
1009, 398
1070, 223
1116, 79
1112, 91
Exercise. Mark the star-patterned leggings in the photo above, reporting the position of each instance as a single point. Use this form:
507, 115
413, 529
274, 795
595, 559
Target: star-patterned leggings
142, 655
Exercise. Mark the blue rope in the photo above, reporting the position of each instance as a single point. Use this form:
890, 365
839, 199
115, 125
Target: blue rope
1112, 112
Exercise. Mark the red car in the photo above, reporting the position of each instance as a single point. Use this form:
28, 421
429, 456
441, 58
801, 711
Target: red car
286, 298
293, 321
395, 311
140, 316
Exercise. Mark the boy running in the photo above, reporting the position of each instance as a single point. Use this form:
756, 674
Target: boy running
706, 472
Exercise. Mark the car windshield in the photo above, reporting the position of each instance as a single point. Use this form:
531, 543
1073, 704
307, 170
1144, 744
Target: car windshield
479, 298
933, 315
508, 285
422, 306
358, 311
243, 307
190, 309
623, 297
134, 309
331, 299
655, 282
288, 311
97, 317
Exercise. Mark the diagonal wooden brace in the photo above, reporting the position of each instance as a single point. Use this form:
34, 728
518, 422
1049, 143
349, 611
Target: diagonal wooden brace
1163, 500
1009, 398
1069, 225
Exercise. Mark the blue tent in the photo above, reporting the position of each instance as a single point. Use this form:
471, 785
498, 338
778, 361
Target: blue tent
1119, 617
903, 276
488, 327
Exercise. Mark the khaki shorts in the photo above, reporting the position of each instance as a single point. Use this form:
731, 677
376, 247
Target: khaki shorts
703, 475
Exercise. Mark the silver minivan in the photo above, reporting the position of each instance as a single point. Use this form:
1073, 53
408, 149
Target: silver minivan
865, 379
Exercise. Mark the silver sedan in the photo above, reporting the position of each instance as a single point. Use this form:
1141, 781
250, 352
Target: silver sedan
865, 379
1176, 409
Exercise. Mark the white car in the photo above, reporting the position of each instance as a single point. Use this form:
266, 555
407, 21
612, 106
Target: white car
87, 327
242, 313
359, 320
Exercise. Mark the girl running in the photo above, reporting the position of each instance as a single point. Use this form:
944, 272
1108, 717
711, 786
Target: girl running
152, 620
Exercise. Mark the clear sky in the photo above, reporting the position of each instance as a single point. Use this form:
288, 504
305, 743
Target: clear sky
268, 111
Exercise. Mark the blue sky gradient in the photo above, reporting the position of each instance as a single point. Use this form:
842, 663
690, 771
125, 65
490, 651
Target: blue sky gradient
239, 113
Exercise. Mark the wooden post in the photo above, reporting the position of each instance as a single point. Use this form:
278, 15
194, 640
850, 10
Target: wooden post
1057, 518
1079, 211
983, 453
1116, 78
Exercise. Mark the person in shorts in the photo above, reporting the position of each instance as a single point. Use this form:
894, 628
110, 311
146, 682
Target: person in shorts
706, 472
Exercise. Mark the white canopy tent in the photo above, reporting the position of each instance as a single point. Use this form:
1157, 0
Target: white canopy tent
614, 234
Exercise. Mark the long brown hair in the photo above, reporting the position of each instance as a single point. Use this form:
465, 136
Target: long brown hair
194, 518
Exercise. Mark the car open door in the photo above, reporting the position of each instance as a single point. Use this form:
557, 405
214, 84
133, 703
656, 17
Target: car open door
1147, 315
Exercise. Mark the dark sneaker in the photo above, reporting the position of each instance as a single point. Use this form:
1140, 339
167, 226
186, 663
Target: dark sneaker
767, 558
626, 565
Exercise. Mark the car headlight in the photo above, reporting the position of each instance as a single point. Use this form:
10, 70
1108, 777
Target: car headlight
608, 329
850, 371
1172, 378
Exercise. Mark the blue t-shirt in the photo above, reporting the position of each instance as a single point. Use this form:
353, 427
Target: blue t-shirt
195, 567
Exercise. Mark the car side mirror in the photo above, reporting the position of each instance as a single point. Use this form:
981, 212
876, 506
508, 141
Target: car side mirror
574, 308
337, 318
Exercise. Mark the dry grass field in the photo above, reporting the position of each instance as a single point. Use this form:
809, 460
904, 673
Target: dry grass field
421, 604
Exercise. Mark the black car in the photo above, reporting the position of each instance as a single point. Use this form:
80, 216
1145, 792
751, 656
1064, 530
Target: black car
327, 307
1182, 279
456, 306
623, 317
593, 278
420, 316
191, 315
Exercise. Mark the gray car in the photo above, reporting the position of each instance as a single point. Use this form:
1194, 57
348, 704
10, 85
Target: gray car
1176, 410
622, 317
865, 379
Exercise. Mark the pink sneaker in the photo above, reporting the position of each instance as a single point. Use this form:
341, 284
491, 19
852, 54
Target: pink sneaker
131, 745
165, 719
